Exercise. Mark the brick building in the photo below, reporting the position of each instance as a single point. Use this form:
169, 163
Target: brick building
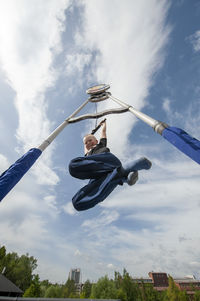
159, 280
189, 283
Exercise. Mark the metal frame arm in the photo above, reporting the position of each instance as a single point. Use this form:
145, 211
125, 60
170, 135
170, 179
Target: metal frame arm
70, 119
59, 129
157, 125
98, 115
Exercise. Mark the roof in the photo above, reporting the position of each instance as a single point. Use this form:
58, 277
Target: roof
142, 280
186, 280
7, 286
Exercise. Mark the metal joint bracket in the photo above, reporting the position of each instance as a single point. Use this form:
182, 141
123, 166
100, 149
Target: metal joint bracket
99, 97
160, 126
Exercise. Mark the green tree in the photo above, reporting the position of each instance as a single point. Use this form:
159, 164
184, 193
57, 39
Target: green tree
118, 279
2, 258
20, 269
183, 296
69, 289
34, 289
197, 296
65, 292
173, 293
148, 293
104, 289
2, 253
53, 291
44, 284
87, 288
130, 288
17, 269
121, 295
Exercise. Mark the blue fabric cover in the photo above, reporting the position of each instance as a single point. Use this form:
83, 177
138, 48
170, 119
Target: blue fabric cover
15, 172
184, 142
103, 170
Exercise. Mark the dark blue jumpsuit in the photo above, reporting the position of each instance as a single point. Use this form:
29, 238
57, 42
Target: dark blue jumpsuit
105, 172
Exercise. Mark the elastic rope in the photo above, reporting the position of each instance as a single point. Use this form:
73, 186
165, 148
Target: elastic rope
96, 113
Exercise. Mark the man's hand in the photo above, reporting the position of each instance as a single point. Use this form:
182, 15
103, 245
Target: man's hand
103, 131
103, 121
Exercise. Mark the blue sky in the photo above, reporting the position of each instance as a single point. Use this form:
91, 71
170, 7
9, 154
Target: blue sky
149, 53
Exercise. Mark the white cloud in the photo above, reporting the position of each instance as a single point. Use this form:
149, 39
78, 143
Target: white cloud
43, 171
195, 40
4, 163
166, 105
77, 253
192, 119
105, 218
75, 64
110, 266
69, 209
128, 53
160, 186
21, 224
51, 204
155, 218
26, 54
157, 243
195, 263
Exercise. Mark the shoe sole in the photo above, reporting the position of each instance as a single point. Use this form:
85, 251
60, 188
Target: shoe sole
133, 178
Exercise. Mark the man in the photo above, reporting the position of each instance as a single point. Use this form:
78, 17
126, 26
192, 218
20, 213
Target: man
104, 170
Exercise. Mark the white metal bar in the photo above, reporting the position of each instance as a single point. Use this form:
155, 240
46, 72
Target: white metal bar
59, 129
157, 125
150, 121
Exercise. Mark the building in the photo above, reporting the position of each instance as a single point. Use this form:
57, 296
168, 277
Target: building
9, 289
159, 280
143, 281
75, 274
188, 283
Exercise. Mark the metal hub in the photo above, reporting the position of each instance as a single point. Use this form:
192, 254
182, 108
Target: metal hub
98, 93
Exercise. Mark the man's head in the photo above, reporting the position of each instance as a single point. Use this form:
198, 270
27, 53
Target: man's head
89, 141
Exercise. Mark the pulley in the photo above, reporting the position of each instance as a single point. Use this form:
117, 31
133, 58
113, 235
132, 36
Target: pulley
98, 93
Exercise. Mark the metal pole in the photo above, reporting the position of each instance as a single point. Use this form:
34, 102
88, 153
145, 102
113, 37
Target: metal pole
157, 125
59, 129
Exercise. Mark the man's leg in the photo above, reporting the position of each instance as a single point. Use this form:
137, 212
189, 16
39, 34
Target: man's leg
130, 170
94, 166
96, 191
142, 163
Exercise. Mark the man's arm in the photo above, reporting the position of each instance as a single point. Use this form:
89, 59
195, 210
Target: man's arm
103, 131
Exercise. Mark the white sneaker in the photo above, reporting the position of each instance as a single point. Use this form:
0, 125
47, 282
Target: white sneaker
132, 178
